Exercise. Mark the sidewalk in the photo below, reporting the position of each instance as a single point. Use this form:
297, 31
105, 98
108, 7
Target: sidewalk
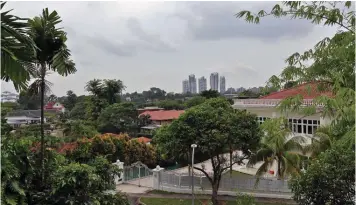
223, 198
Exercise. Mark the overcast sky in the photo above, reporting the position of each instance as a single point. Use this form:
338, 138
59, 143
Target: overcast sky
158, 44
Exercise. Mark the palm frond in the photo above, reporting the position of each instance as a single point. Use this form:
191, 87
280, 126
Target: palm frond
35, 87
260, 155
17, 50
263, 169
294, 144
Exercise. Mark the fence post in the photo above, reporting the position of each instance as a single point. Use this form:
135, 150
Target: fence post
180, 178
157, 172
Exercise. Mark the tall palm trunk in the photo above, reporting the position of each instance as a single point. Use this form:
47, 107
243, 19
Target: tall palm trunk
43, 69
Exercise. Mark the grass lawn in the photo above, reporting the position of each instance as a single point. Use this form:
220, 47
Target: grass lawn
162, 201
237, 174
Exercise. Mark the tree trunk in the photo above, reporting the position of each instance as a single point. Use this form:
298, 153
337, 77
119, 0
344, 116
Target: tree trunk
42, 123
279, 169
230, 161
214, 196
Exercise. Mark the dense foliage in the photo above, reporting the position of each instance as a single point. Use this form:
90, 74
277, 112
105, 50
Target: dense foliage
329, 179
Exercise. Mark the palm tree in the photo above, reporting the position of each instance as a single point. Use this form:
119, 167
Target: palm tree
17, 50
112, 88
95, 87
278, 147
52, 54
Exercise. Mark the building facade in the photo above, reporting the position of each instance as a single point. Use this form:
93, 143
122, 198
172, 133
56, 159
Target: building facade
202, 84
222, 85
192, 84
214, 81
7, 96
266, 107
23, 117
185, 85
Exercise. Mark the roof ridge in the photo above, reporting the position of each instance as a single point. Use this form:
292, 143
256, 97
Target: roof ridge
295, 87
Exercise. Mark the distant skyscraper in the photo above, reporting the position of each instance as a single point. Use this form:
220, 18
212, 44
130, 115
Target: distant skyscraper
192, 84
214, 81
222, 85
202, 84
185, 86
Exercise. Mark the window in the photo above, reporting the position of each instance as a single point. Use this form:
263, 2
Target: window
262, 119
303, 126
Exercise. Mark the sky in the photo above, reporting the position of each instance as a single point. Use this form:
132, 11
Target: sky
159, 44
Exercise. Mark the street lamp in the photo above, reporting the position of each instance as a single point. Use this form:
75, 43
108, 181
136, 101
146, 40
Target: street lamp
193, 146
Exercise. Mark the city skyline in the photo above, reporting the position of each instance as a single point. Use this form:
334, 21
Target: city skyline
216, 83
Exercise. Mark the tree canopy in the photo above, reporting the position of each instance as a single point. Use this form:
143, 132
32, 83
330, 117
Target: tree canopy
211, 126
329, 179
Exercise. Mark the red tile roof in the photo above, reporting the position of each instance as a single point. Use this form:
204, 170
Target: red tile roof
163, 114
300, 89
143, 139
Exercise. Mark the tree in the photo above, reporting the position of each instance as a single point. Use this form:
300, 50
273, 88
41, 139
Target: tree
332, 60
95, 87
324, 138
104, 93
171, 105
243, 128
70, 100
28, 101
17, 50
278, 147
329, 179
78, 129
196, 100
210, 94
79, 111
118, 117
51, 98
112, 89
209, 126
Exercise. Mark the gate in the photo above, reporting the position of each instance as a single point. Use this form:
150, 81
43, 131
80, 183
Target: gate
138, 174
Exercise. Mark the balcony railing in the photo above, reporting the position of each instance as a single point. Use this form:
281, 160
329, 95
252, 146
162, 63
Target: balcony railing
268, 102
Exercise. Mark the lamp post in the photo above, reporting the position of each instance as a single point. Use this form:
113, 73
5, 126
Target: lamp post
193, 146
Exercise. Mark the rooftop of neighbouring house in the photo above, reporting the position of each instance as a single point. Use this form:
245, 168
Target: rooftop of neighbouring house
163, 114
51, 104
143, 139
307, 90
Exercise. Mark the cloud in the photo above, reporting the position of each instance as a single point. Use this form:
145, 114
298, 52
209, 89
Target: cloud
161, 43
216, 21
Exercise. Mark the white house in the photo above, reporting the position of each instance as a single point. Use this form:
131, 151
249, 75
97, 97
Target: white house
265, 107
7, 96
22, 117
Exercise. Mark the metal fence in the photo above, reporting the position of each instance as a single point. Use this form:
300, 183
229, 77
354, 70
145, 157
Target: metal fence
227, 183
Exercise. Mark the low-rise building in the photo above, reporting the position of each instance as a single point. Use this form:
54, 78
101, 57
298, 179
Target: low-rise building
163, 117
266, 107
55, 106
7, 96
23, 117
142, 110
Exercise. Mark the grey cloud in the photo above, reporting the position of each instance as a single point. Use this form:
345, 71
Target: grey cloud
146, 40
216, 20
110, 46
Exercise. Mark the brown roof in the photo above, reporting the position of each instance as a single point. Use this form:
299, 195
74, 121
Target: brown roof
163, 114
300, 89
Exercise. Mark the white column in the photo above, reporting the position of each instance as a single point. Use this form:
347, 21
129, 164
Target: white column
157, 177
122, 174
